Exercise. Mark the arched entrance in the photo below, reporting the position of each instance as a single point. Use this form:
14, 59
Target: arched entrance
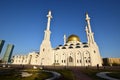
70, 61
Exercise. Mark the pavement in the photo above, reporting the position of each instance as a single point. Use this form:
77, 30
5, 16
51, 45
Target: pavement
79, 75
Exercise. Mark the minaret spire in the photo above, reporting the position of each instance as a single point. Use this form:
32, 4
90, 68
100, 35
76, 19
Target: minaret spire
49, 19
88, 23
90, 34
64, 39
46, 43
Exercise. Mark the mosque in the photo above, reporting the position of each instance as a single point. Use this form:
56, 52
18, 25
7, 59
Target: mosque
72, 53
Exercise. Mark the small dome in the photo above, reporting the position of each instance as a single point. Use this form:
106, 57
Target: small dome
73, 38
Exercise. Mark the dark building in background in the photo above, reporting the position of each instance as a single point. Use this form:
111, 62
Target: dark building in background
1, 44
8, 53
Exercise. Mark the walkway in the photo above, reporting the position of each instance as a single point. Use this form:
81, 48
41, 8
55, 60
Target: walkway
79, 75
103, 75
55, 75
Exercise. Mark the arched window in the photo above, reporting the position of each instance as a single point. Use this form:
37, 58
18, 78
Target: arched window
94, 51
85, 46
71, 44
77, 46
77, 61
88, 61
70, 47
80, 60
63, 47
36, 56
43, 49
57, 48
70, 59
64, 61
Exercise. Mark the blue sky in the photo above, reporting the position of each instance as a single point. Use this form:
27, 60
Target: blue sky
22, 23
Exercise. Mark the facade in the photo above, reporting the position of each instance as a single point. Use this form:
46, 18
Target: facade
72, 53
8, 53
30, 59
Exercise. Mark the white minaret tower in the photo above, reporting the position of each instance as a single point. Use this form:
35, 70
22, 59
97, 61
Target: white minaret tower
49, 19
88, 22
45, 48
92, 44
65, 39
47, 31
89, 32
46, 44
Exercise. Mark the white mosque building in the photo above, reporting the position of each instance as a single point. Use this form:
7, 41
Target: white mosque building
72, 53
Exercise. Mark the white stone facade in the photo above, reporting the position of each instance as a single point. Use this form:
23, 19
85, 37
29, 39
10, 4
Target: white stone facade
31, 58
72, 53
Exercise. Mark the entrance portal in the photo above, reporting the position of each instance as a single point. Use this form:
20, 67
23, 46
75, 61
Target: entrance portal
70, 61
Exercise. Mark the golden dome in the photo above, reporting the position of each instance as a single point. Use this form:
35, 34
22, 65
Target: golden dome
73, 38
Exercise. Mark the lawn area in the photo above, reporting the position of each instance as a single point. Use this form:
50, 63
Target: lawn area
12, 74
114, 75
66, 74
92, 73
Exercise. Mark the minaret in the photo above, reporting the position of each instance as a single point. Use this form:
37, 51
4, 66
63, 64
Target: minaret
89, 32
47, 31
49, 19
96, 60
88, 22
46, 44
65, 39
46, 51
